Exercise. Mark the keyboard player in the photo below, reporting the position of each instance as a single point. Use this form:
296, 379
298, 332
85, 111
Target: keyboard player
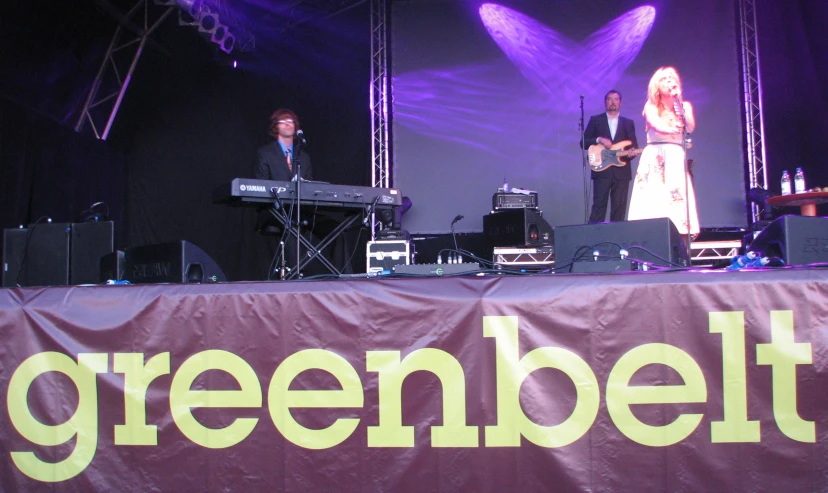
278, 161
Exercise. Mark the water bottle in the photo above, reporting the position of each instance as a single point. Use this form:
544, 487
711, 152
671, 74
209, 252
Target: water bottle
505, 185
786, 183
799, 181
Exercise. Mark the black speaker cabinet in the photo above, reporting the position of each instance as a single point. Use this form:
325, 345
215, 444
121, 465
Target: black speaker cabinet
517, 227
798, 240
14, 246
178, 262
89, 242
650, 240
37, 256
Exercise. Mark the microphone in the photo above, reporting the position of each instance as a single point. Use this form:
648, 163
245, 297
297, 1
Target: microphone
453, 235
300, 136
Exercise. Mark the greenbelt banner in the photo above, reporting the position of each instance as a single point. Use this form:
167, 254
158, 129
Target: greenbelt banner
614, 383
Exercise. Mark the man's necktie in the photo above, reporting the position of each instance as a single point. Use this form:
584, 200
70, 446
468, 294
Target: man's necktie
289, 162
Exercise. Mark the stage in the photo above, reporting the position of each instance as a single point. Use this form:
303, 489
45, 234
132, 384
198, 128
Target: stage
654, 381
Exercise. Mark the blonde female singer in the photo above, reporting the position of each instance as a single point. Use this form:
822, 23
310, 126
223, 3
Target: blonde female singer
662, 186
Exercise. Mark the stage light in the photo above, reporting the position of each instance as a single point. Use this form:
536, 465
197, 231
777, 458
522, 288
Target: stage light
199, 14
228, 43
219, 33
208, 22
392, 218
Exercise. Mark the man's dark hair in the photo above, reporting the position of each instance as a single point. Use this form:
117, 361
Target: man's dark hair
282, 114
614, 91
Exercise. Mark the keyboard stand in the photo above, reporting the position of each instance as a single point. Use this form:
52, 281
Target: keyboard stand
314, 251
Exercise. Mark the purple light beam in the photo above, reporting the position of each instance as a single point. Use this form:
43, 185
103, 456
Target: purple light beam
559, 66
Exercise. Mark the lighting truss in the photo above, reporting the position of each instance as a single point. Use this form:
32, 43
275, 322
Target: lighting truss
752, 85
380, 95
100, 110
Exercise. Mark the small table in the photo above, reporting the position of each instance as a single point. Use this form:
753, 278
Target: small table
806, 201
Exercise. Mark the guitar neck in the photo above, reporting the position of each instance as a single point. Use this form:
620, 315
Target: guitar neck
631, 152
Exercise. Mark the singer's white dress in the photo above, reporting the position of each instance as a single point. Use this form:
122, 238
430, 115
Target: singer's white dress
661, 184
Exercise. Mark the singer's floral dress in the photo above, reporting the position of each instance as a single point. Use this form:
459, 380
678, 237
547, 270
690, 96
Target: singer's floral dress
661, 187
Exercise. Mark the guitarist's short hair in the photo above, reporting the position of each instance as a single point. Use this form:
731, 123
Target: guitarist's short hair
614, 91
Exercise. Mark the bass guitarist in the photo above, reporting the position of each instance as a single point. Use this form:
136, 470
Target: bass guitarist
612, 183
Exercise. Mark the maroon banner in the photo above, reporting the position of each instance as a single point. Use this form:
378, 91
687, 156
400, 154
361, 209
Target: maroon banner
641, 382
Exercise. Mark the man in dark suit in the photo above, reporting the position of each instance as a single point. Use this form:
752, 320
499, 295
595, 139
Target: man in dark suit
612, 183
278, 160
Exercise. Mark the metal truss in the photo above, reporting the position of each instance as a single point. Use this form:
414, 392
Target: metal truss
539, 257
703, 252
752, 85
380, 96
100, 110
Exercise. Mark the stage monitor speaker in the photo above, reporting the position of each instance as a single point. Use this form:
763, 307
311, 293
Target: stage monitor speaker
517, 227
798, 240
37, 256
179, 262
90, 241
650, 240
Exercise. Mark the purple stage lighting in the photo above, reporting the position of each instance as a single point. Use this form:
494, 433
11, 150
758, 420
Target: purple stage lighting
559, 66
470, 105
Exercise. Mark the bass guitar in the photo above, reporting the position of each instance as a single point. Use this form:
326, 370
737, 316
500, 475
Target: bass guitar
601, 158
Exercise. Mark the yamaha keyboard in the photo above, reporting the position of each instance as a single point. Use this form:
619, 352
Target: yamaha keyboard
243, 191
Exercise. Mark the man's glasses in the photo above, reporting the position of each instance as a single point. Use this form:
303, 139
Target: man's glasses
285, 121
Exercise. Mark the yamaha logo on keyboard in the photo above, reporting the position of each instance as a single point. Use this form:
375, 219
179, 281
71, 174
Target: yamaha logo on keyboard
252, 188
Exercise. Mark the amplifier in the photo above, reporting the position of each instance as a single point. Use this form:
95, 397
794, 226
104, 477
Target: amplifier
517, 228
501, 200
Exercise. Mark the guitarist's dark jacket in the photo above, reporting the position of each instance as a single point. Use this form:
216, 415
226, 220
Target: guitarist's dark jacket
598, 126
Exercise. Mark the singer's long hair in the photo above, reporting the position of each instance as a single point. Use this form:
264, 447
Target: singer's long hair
653, 94
282, 114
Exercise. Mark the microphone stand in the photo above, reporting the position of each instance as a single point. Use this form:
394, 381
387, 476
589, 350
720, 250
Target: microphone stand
297, 145
582, 129
679, 107
279, 206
